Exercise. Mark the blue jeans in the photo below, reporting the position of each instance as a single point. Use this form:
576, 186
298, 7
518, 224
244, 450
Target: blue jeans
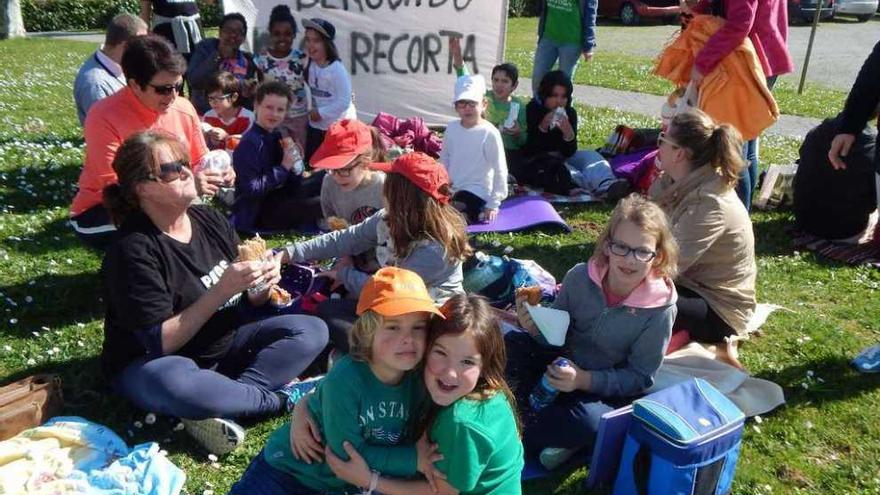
748, 178
264, 356
546, 55
260, 478
594, 172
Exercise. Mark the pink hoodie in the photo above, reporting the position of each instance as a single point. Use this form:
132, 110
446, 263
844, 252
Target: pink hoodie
653, 292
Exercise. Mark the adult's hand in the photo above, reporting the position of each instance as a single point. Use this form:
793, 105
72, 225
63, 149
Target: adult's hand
242, 275
840, 146
208, 182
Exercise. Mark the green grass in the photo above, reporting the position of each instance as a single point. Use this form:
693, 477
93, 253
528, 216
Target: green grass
615, 69
823, 441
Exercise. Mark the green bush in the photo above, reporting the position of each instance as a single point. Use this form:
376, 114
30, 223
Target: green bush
77, 15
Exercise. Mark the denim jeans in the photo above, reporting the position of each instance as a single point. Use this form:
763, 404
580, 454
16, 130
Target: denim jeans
593, 171
260, 478
748, 178
546, 55
264, 356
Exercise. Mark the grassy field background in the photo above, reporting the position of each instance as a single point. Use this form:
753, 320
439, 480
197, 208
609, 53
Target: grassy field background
823, 441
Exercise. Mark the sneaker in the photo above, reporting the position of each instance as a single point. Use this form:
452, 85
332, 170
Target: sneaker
553, 457
297, 389
216, 435
868, 361
617, 190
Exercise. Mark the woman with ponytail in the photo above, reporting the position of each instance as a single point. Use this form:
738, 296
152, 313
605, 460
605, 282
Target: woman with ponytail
701, 162
177, 337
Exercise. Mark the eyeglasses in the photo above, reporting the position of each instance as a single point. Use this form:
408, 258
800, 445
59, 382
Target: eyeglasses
167, 89
171, 171
663, 139
344, 172
622, 250
218, 99
465, 104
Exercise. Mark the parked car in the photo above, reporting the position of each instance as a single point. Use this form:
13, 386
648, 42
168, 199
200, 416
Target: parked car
802, 11
863, 10
631, 12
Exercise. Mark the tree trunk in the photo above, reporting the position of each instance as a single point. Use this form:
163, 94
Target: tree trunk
11, 24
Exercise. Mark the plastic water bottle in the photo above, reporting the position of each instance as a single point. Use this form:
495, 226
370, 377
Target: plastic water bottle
558, 115
298, 166
544, 393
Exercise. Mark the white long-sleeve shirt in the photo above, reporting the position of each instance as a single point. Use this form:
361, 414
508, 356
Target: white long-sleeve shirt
475, 161
331, 90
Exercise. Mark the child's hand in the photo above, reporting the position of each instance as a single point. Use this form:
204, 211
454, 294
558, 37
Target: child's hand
217, 134
305, 438
427, 455
354, 471
314, 115
490, 214
565, 126
522, 314
567, 378
512, 131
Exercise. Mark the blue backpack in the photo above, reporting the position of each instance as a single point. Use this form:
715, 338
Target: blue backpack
683, 440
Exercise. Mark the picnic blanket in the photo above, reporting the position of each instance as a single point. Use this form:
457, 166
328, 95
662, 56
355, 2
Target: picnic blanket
858, 253
521, 213
70, 455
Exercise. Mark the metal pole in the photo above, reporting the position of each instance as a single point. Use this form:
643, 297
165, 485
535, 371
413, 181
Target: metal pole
810, 45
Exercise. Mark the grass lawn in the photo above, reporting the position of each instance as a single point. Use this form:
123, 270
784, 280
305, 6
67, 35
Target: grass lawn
611, 68
823, 441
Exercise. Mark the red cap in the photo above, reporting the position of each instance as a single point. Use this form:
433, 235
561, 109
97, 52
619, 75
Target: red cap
344, 141
426, 173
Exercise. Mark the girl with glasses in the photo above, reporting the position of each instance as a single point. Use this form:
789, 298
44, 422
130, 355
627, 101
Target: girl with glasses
622, 305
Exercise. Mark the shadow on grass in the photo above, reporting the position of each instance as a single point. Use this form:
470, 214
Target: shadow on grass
54, 237
841, 381
771, 238
58, 301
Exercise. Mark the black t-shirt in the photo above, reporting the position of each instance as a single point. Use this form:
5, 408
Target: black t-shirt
551, 141
150, 277
174, 8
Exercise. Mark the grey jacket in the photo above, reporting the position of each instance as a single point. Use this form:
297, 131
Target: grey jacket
427, 257
588, 22
621, 346
93, 82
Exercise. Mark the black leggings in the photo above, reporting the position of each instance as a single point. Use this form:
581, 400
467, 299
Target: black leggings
699, 319
470, 204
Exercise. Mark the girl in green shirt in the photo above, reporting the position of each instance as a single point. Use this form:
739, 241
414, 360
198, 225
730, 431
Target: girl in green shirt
472, 422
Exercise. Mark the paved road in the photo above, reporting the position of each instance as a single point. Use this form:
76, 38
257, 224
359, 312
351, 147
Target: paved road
840, 47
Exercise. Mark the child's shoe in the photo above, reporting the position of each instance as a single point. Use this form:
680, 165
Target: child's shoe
868, 361
216, 435
297, 389
553, 457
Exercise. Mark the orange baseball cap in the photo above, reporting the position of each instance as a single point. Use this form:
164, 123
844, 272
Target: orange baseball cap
393, 291
344, 141
426, 173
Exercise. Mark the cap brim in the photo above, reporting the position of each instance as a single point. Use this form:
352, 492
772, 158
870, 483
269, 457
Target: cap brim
380, 166
403, 305
332, 162
308, 24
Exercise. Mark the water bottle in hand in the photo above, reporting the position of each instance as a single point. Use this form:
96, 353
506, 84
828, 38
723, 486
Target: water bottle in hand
544, 393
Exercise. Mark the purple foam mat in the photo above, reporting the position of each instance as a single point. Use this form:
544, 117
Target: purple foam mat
521, 213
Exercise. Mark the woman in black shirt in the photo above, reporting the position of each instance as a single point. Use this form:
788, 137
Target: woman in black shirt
176, 338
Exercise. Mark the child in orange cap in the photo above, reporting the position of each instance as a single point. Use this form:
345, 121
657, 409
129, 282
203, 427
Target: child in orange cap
370, 398
418, 230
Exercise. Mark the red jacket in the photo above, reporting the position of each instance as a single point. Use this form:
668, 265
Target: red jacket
765, 22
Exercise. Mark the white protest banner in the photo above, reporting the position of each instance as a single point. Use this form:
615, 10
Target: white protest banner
397, 51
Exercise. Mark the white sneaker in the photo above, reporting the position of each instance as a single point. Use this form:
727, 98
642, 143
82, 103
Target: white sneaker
553, 457
216, 435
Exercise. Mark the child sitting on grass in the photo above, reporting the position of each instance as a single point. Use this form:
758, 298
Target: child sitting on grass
622, 306
369, 399
473, 153
226, 121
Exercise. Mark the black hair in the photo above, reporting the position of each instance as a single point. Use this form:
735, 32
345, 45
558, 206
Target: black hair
509, 69
551, 80
273, 87
223, 82
145, 56
234, 16
281, 13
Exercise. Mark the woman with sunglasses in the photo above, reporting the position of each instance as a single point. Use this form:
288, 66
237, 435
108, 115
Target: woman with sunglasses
222, 54
701, 161
151, 100
176, 337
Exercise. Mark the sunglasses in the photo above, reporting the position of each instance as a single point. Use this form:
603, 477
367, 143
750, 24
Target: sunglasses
622, 250
663, 139
344, 172
465, 104
167, 89
218, 99
171, 171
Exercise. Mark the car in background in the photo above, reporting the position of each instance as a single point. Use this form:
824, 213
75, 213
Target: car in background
631, 12
863, 10
802, 11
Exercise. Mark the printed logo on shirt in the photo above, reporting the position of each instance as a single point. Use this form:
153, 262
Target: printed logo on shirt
376, 425
362, 214
213, 277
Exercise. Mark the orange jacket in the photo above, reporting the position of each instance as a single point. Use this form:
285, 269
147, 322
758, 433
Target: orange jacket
735, 91
113, 119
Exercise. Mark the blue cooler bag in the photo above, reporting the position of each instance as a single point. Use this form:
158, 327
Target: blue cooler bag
684, 439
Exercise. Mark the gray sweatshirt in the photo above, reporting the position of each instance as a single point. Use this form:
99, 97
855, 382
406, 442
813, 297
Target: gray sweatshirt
353, 206
621, 346
426, 257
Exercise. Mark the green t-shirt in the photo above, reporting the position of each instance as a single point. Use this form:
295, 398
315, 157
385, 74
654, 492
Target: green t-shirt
352, 404
497, 113
482, 450
562, 24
